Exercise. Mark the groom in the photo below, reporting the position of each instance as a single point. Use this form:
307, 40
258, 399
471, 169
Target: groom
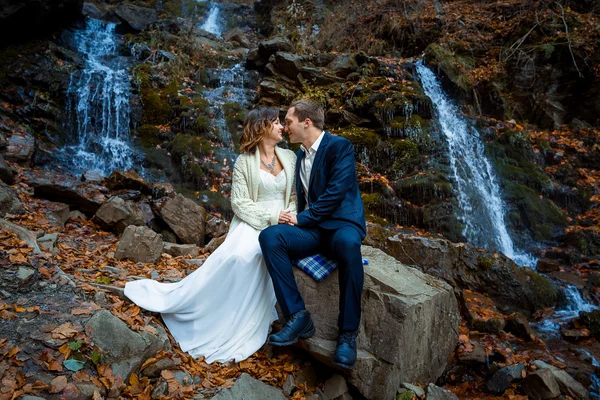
330, 220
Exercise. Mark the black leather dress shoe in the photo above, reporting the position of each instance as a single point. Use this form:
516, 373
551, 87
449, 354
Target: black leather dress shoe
299, 326
345, 352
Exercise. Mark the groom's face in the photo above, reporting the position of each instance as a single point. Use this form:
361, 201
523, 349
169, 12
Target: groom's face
293, 127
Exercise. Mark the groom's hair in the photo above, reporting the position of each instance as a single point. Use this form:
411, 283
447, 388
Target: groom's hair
308, 108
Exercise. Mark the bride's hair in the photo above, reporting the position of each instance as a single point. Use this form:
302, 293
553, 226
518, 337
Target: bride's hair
257, 125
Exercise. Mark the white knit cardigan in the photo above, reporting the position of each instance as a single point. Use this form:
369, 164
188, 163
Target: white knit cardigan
244, 189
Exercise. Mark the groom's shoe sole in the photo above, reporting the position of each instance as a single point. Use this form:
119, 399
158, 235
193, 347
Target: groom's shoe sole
344, 366
303, 335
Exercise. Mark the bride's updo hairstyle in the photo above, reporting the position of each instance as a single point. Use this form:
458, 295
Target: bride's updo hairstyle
257, 125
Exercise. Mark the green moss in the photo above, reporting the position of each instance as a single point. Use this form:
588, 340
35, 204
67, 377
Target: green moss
371, 201
405, 396
424, 188
234, 117
545, 294
455, 65
201, 104
148, 135
141, 75
485, 262
189, 146
592, 321
156, 108
364, 137
202, 124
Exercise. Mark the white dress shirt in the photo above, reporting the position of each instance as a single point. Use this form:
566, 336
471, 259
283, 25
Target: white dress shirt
307, 163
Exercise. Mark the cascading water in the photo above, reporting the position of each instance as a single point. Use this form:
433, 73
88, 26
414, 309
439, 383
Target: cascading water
98, 104
574, 305
212, 23
480, 203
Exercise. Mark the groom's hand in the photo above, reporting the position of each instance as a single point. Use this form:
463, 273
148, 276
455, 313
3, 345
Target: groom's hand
284, 217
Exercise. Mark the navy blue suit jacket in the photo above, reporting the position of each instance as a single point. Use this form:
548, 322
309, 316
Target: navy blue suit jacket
333, 196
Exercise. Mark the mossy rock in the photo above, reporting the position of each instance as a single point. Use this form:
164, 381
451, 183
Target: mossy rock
234, 118
592, 321
544, 292
539, 215
202, 124
188, 146
156, 107
363, 137
141, 74
424, 188
149, 135
485, 262
456, 66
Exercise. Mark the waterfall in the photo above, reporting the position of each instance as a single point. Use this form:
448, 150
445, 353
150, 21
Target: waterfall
98, 104
574, 305
227, 85
212, 23
481, 208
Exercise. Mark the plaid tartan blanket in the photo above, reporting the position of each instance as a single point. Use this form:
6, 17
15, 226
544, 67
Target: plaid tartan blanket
318, 266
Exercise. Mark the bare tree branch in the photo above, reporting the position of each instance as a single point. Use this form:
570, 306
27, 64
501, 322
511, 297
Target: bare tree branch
569, 39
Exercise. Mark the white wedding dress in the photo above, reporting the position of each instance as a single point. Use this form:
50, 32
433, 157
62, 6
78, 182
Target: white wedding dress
224, 309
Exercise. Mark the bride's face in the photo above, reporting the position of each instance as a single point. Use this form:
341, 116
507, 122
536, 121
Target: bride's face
276, 131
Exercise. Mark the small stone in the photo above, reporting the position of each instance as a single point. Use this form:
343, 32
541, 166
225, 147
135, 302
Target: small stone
100, 298
502, 379
87, 389
194, 262
476, 356
153, 370
183, 378
437, 393
335, 386
289, 385
160, 390
92, 175
25, 273
519, 326
414, 388
76, 214
47, 242
177, 250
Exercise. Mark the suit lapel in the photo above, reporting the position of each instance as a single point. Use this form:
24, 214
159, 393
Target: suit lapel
299, 189
318, 157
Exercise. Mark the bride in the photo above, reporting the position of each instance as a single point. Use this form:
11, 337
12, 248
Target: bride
224, 309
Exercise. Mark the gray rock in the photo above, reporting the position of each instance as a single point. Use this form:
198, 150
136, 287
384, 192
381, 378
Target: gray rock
6, 173
31, 398
510, 287
502, 379
418, 309
289, 385
214, 243
476, 356
183, 378
140, 244
162, 189
168, 236
117, 214
307, 375
137, 17
541, 385
22, 233
545, 265
343, 65
419, 392
268, 47
57, 214
124, 349
237, 35
316, 77
177, 250
160, 390
76, 214
185, 218
566, 383
9, 200
153, 370
437, 393
215, 227
519, 326
92, 175
249, 388
289, 64
569, 386
21, 147
23, 274
335, 386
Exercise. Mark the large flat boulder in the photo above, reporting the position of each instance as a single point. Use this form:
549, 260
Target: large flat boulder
464, 266
139, 244
409, 325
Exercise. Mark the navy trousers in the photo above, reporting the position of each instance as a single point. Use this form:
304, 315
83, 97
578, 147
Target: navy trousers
281, 243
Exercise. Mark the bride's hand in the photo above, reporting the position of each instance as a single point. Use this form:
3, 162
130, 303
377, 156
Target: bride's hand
284, 217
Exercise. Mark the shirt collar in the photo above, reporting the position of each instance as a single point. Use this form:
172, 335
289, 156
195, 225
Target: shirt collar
315, 146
